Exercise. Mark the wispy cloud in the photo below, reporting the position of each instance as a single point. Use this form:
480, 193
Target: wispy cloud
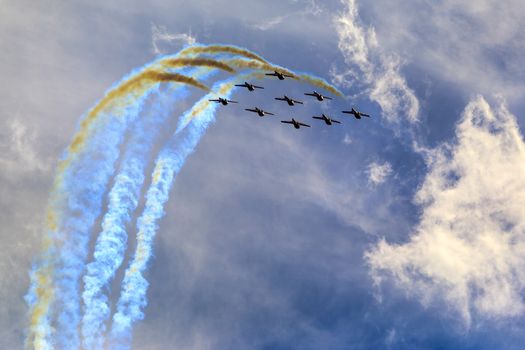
378, 173
18, 154
378, 71
311, 7
468, 249
160, 36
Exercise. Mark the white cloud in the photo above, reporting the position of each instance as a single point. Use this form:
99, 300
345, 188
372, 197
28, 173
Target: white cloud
468, 250
18, 155
377, 173
160, 36
377, 70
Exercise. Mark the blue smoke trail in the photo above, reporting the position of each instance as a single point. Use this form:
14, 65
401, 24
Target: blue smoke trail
123, 199
167, 166
85, 185
111, 242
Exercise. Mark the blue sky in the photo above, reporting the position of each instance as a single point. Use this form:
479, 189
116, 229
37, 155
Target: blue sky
404, 231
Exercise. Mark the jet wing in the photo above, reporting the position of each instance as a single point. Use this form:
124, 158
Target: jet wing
251, 110
280, 98
230, 101
335, 121
309, 94
348, 112
303, 124
268, 113
258, 87
288, 76
215, 100
241, 85
272, 74
327, 98
299, 102
286, 121
365, 115
320, 118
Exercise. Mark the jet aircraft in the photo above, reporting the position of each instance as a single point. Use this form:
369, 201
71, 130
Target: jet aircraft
289, 100
279, 75
259, 111
327, 119
296, 124
318, 96
224, 101
356, 114
249, 86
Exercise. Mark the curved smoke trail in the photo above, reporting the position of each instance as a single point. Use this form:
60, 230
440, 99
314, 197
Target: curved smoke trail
79, 189
168, 164
123, 199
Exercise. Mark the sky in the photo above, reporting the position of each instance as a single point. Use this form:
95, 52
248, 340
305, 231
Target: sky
402, 231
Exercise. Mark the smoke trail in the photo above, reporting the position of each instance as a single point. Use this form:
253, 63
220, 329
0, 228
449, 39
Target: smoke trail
81, 181
235, 50
123, 199
321, 83
168, 164
42, 291
206, 62
87, 195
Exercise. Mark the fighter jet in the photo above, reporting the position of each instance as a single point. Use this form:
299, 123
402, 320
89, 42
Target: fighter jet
318, 96
224, 101
249, 86
327, 120
289, 100
279, 75
259, 111
295, 123
356, 114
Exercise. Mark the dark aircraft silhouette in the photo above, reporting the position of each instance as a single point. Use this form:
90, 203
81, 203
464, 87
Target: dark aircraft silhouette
289, 100
259, 111
249, 86
224, 101
327, 120
356, 114
295, 123
279, 75
318, 96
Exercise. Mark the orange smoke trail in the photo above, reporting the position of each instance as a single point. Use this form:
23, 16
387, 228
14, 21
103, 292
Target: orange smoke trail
222, 49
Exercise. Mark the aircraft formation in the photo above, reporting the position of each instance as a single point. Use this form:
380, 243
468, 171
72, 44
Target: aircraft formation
291, 102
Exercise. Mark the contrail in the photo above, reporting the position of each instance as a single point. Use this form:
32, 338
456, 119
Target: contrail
168, 164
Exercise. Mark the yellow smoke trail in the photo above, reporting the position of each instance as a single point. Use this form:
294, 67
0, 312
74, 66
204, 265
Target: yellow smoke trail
320, 83
222, 49
242, 63
194, 62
